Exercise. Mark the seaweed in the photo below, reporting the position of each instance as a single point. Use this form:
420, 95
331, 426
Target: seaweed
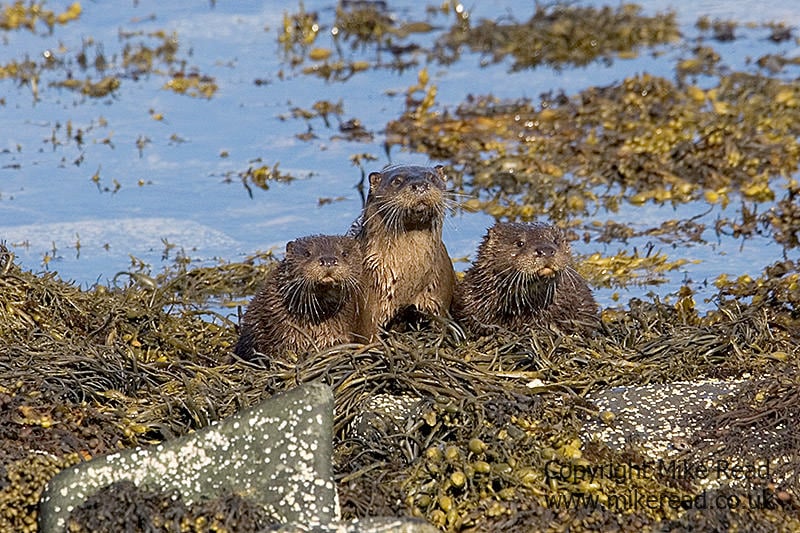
88, 371
561, 34
123, 506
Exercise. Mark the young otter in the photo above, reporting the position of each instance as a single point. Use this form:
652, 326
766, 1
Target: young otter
309, 301
406, 265
523, 277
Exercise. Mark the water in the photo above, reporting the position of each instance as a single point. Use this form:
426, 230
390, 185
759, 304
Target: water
179, 189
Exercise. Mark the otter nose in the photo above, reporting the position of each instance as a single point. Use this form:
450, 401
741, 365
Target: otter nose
545, 249
328, 261
420, 186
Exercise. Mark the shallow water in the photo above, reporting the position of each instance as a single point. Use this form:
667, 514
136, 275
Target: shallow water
180, 189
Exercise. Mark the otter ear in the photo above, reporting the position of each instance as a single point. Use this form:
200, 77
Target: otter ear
440, 172
290, 247
489, 237
492, 233
374, 180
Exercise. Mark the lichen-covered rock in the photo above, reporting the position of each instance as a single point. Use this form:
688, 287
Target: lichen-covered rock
662, 418
365, 525
277, 454
386, 414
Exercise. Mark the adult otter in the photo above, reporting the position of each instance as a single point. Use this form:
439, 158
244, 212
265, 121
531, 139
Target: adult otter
309, 301
523, 277
406, 265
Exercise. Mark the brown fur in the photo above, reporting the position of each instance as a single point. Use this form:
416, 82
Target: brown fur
309, 301
523, 277
406, 265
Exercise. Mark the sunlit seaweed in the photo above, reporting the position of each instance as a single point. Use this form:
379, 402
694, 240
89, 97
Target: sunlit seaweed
625, 268
365, 26
362, 23
644, 140
143, 361
556, 35
141, 58
299, 31
781, 221
97, 89
562, 34
647, 135
19, 15
104, 73
261, 176
192, 84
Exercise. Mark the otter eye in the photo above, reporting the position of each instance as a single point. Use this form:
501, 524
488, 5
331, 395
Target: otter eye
344, 253
520, 243
397, 181
307, 253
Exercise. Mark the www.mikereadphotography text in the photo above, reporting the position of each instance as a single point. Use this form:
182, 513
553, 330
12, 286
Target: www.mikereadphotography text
634, 500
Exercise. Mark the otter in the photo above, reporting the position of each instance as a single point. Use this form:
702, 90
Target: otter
308, 302
523, 278
407, 270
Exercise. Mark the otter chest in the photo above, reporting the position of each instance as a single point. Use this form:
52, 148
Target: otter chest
404, 266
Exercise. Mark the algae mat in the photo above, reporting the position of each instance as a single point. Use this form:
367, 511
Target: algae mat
86, 372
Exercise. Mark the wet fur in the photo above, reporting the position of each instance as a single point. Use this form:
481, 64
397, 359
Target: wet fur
507, 287
406, 264
299, 309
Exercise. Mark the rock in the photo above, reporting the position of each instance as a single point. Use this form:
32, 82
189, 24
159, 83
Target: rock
277, 454
386, 414
662, 418
365, 525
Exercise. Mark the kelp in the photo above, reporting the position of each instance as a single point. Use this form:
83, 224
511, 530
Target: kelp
123, 506
557, 35
89, 371
643, 140
561, 34
94, 72
22, 15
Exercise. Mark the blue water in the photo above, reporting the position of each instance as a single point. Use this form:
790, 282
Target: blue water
183, 188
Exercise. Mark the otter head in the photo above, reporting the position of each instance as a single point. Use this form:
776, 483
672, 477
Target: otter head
525, 263
321, 273
408, 197
532, 250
